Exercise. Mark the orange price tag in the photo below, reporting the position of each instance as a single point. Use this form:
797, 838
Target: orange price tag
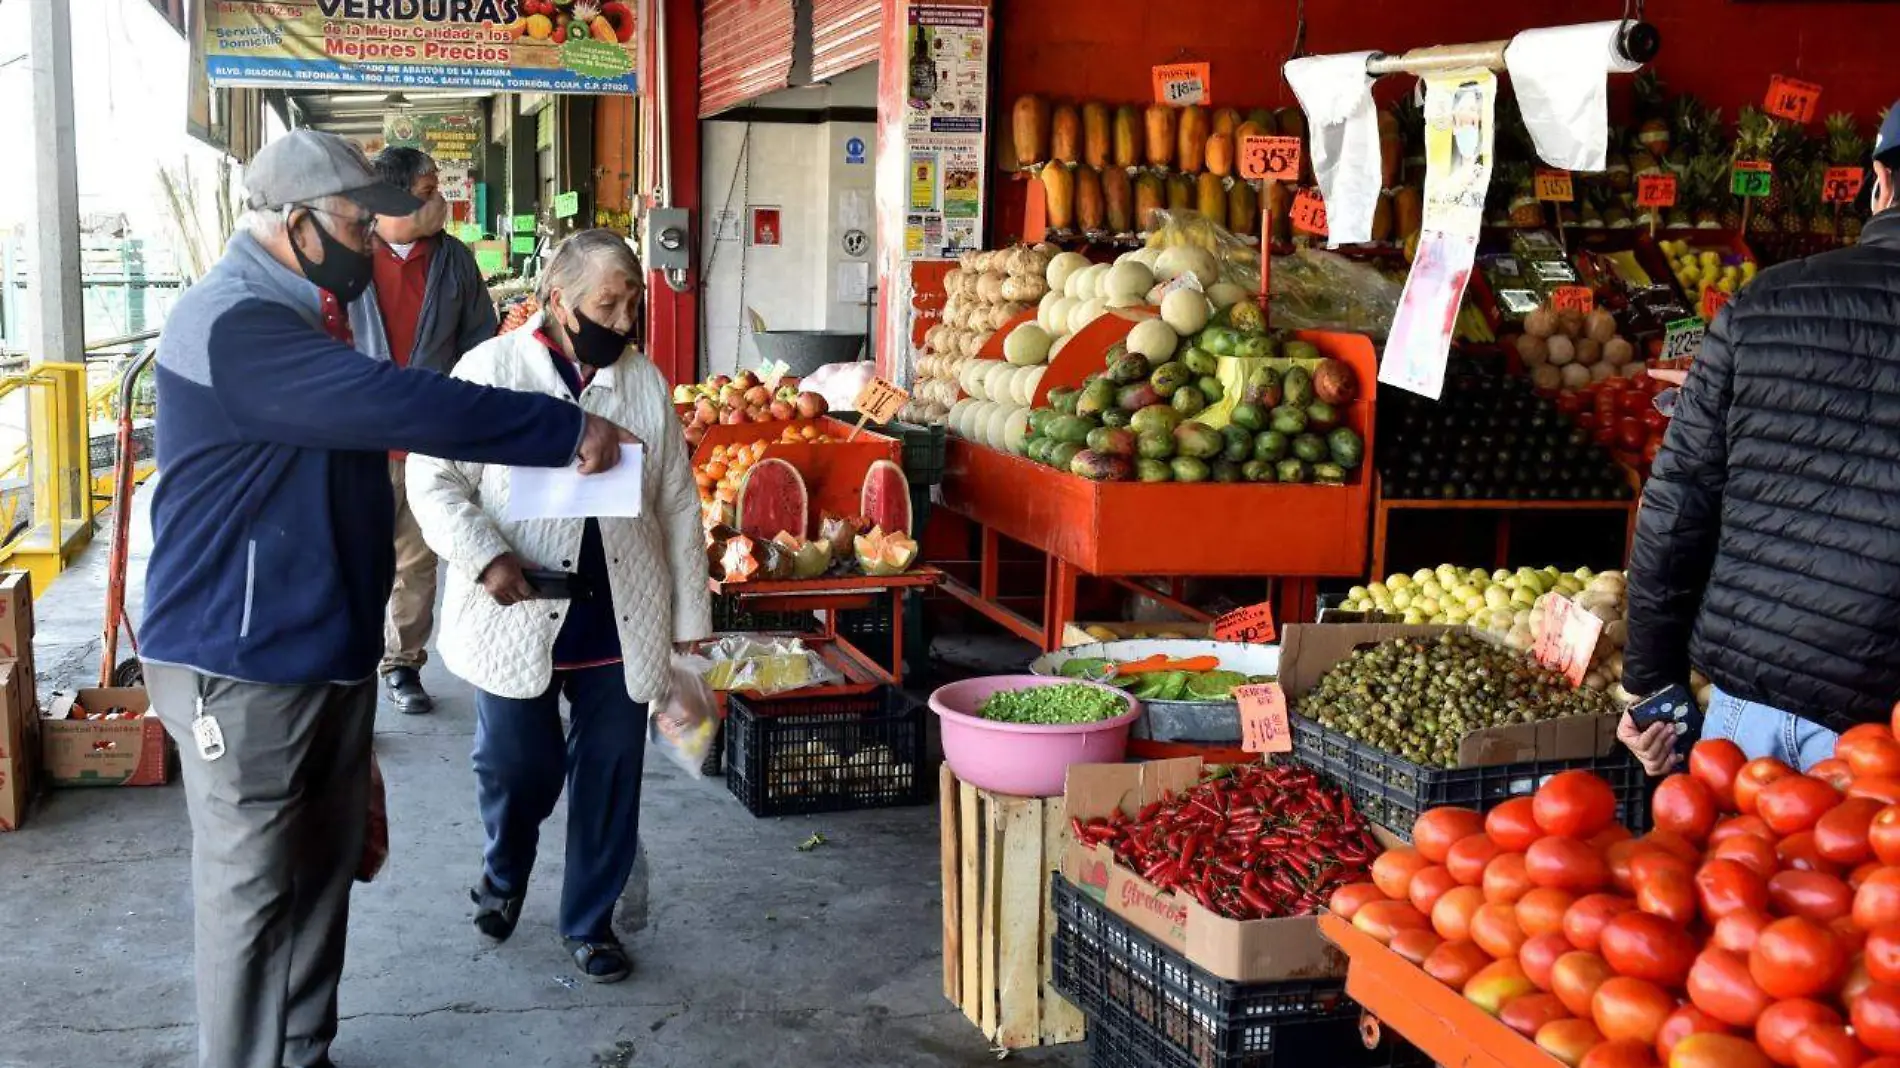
1791, 99
1714, 300
1572, 298
1263, 723
1566, 638
880, 401
1181, 84
1269, 158
1656, 191
1309, 212
1840, 185
1253, 623
1555, 186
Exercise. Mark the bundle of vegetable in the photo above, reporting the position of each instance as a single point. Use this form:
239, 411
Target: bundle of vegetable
1160, 678
1050, 705
1264, 841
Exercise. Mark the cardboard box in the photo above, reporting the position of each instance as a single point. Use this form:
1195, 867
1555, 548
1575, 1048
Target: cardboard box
16, 616
104, 752
1245, 951
1073, 634
1308, 651
19, 744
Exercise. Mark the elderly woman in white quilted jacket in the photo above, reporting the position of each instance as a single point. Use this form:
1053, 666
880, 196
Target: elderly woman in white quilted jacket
607, 654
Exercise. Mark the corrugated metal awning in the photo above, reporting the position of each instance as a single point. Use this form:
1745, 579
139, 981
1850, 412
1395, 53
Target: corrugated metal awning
844, 36
745, 50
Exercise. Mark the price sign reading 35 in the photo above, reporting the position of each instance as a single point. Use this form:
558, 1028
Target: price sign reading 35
1268, 158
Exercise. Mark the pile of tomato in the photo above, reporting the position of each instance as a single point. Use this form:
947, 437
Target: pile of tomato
1757, 925
1620, 415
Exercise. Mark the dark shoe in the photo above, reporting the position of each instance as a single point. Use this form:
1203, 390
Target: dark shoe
405, 689
600, 962
495, 912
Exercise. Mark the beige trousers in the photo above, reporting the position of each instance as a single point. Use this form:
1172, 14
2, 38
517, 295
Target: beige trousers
411, 615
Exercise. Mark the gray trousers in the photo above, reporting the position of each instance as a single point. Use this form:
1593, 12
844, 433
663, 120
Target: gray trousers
277, 829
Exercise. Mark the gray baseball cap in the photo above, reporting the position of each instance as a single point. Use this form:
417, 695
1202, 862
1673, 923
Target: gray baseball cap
307, 165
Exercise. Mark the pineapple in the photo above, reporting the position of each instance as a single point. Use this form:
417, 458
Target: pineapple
1803, 180
1845, 148
1708, 193
1754, 142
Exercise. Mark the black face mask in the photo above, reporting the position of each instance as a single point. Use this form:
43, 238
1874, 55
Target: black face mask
345, 273
594, 344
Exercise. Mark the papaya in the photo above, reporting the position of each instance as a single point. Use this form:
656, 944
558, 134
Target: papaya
1382, 218
1090, 211
1408, 210
1150, 197
1293, 124
1220, 154
1058, 190
1226, 121
1263, 118
1279, 204
1127, 136
1118, 200
1243, 209
1029, 121
1065, 134
1180, 192
1210, 198
1095, 136
1248, 129
1160, 123
1192, 130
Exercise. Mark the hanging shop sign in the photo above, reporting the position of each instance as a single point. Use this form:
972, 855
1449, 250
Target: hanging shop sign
947, 97
507, 45
451, 139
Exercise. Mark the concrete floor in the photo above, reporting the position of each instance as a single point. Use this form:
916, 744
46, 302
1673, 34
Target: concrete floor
756, 954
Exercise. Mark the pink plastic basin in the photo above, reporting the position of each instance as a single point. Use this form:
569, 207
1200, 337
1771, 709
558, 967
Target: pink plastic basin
1024, 759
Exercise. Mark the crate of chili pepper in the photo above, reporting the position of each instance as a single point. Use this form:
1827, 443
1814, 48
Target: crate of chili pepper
1224, 869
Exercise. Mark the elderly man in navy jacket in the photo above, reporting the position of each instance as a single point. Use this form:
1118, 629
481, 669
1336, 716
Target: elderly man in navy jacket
272, 560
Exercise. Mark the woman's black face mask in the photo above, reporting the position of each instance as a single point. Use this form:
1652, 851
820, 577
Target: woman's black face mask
596, 345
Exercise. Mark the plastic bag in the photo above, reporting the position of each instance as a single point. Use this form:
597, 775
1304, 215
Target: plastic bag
765, 666
840, 383
1317, 290
685, 724
1235, 259
376, 827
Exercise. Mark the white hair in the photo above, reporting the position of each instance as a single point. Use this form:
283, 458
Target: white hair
579, 262
265, 224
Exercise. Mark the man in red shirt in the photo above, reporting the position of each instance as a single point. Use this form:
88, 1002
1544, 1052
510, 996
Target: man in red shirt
427, 307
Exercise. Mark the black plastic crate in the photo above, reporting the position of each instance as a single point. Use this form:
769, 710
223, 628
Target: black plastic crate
923, 452
1105, 965
1392, 790
730, 615
790, 755
1118, 1039
714, 763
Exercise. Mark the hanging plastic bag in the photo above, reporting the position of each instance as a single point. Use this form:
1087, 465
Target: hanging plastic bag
376, 828
685, 724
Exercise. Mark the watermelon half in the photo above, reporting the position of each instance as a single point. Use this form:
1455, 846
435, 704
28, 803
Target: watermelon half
885, 499
773, 501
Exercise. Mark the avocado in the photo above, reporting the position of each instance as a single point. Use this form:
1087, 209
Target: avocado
1169, 377
1347, 448
1309, 447
1270, 446
1291, 470
1237, 443
1225, 471
1155, 445
1211, 389
1156, 417
1288, 419
1248, 416
1188, 469
1153, 470
1257, 471
1189, 400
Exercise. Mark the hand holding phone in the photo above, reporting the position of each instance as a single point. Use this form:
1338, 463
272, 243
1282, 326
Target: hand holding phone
1674, 706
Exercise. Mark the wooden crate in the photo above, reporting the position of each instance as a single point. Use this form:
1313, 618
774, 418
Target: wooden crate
998, 922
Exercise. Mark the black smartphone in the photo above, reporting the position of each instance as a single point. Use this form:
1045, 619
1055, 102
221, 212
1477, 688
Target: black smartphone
558, 585
1672, 704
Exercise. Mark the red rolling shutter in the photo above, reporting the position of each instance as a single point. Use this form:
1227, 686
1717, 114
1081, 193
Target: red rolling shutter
844, 36
745, 50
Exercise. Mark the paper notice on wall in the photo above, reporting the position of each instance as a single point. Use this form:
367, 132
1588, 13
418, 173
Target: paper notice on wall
923, 181
854, 283
947, 97
854, 209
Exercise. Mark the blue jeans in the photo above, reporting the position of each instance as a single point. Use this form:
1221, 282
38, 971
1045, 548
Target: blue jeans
521, 762
1762, 731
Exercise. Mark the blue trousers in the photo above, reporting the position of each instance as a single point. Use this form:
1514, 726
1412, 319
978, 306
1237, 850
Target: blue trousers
521, 760
1763, 731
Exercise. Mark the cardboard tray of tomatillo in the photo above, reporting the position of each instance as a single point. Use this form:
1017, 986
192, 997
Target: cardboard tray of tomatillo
1214, 721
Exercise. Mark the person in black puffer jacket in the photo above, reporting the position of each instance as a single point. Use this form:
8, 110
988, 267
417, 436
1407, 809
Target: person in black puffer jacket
1767, 551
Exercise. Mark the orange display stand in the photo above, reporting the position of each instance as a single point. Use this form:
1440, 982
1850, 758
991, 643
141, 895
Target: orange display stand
1427, 1013
834, 471
829, 595
1384, 506
1121, 530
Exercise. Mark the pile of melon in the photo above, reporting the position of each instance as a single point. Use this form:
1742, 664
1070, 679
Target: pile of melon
985, 291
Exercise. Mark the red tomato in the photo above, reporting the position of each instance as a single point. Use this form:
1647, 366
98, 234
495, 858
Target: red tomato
1574, 804
1754, 775
1841, 834
1795, 803
1835, 772
1428, 886
1871, 755
1513, 824
1812, 894
1881, 954
1796, 957
1734, 825
1884, 789
1619, 857
1584, 922
1715, 763
1665, 887
1541, 911
1609, 836
1857, 981
1877, 902
1454, 963
1881, 1062
1494, 927
1539, 955
1435, 832
1719, 985
1506, 879
1738, 930
1624, 1007
1723, 886
1824, 1046
1797, 851
1381, 919
1347, 899
1685, 1021
1528, 1014
1496, 984
1850, 936
1779, 1023
1467, 858
1626, 1053
1859, 875
1451, 915
1643, 946
1566, 864
1393, 870
1575, 978
1884, 835
1569, 1040
1683, 804
1755, 854
1716, 1051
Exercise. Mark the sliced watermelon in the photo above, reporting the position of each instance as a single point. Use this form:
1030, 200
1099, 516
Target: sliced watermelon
773, 500
885, 499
